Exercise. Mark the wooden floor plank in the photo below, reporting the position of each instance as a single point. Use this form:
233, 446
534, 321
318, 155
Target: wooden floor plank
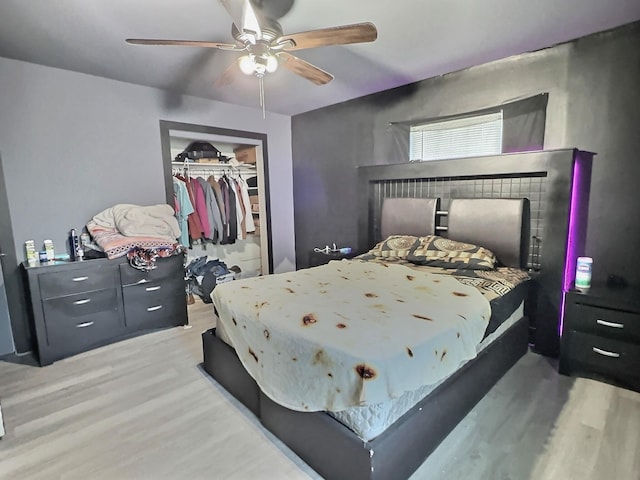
143, 409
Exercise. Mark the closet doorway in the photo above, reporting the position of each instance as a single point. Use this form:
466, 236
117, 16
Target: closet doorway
253, 253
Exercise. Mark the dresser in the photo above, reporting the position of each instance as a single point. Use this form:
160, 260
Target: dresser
601, 335
77, 306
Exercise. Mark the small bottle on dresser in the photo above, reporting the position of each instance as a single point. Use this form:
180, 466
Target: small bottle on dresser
75, 248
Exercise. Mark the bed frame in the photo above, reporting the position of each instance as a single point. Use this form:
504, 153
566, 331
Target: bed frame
329, 447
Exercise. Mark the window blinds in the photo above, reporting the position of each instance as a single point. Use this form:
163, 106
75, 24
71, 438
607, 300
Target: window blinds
460, 137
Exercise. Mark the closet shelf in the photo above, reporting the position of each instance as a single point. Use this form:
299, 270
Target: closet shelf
247, 167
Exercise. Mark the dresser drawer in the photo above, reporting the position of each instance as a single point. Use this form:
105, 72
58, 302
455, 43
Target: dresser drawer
75, 322
80, 305
605, 322
614, 358
155, 303
94, 277
156, 311
165, 268
153, 291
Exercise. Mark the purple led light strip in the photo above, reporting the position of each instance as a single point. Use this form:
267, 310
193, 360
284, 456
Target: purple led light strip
570, 259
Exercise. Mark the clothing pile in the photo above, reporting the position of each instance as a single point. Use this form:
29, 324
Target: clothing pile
145, 258
215, 211
123, 227
203, 275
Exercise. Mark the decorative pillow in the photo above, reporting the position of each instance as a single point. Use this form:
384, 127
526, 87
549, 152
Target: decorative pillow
395, 246
442, 252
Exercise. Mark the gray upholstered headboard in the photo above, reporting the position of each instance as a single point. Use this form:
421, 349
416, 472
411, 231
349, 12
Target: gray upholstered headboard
408, 216
500, 224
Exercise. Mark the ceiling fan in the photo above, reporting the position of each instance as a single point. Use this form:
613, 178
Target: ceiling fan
266, 47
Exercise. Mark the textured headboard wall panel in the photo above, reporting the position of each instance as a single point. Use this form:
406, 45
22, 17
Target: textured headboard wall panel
531, 186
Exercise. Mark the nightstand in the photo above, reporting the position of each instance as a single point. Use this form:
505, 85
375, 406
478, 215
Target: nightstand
601, 336
320, 258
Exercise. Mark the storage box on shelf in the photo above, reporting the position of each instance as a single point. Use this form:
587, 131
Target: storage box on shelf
601, 336
246, 154
77, 306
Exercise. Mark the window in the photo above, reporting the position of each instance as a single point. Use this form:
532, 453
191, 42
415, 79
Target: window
456, 138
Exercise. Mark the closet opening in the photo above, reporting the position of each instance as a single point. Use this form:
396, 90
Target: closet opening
241, 161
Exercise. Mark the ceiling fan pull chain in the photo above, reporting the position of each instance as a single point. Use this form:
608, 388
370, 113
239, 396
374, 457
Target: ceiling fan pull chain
261, 82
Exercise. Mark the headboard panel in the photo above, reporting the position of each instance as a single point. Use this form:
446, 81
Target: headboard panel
556, 182
499, 224
408, 216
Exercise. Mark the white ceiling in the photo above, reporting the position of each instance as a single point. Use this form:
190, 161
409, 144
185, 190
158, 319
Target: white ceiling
417, 39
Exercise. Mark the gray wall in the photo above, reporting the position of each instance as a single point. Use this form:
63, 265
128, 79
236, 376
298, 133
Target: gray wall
593, 105
73, 145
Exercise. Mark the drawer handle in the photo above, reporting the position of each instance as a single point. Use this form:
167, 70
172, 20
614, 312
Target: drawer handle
79, 279
144, 280
609, 324
153, 309
153, 289
83, 325
606, 353
82, 302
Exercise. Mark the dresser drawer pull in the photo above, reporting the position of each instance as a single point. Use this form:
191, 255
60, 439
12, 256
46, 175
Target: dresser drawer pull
144, 280
83, 325
153, 309
153, 289
606, 353
609, 324
79, 279
82, 302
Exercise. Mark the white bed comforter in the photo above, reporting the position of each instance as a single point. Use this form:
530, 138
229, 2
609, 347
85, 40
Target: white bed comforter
350, 333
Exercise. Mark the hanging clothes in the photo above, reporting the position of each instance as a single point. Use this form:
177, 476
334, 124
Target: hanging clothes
229, 200
244, 193
240, 210
217, 191
183, 210
195, 227
201, 207
213, 211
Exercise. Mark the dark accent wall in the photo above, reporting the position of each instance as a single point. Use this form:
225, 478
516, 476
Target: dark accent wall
593, 105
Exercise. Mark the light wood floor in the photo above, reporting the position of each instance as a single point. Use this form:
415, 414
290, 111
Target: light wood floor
142, 409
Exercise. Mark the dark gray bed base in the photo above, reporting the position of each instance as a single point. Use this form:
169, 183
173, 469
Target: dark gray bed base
333, 450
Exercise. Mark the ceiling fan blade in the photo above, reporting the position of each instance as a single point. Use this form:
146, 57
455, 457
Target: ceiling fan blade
244, 17
304, 69
184, 43
346, 34
227, 77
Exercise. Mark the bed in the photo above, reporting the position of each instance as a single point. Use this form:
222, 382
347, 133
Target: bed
370, 434
557, 183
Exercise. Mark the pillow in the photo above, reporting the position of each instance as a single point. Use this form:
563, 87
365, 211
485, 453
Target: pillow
395, 246
442, 252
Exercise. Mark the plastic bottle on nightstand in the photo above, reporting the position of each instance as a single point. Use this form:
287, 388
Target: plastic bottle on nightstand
583, 273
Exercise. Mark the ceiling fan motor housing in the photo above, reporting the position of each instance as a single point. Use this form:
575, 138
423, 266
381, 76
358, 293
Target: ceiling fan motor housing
271, 30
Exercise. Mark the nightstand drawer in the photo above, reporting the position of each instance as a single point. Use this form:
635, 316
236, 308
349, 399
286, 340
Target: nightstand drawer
57, 284
614, 358
604, 321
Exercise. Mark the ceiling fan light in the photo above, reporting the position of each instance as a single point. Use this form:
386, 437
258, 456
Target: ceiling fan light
247, 65
272, 63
